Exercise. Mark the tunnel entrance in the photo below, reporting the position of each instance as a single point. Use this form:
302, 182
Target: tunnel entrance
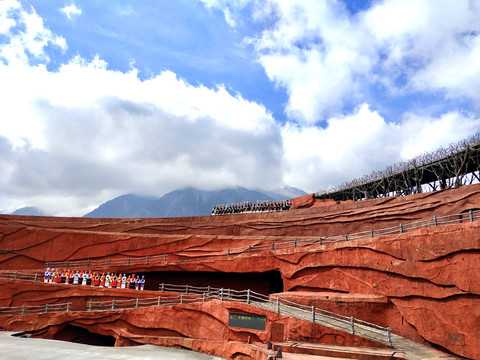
264, 283
83, 336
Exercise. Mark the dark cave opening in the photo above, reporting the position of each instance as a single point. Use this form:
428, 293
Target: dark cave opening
266, 283
80, 335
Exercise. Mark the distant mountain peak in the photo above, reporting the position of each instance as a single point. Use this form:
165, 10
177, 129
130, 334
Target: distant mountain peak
187, 201
29, 211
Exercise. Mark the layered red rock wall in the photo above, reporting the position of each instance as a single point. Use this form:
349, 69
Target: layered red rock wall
157, 325
428, 278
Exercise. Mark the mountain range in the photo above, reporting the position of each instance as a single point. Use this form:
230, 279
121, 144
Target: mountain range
183, 202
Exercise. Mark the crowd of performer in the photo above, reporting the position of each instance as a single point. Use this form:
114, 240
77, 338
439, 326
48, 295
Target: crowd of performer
80, 277
251, 206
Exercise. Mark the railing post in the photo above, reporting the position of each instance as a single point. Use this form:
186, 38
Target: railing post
23, 309
401, 228
89, 306
36, 276
181, 299
136, 303
113, 304
186, 289
319, 241
278, 305
434, 220
221, 294
294, 242
389, 337
48, 264
248, 296
163, 287
470, 214
128, 261
46, 308
313, 313
164, 257
371, 233
208, 289
203, 297
15, 276
88, 263
147, 260
159, 300
109, 261
68, 264
273, 246
249, 248
352, 325
228, 252
68, 306
346, 237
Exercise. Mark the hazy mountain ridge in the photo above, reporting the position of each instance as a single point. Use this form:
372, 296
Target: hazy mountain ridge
29, 211
182, 202
185, 202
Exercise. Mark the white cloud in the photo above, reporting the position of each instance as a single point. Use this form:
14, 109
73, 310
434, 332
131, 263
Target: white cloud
84, 133
6, 8
70, 11
25, 38
324, 56
421, 134
357, 144
88, 132
230, 8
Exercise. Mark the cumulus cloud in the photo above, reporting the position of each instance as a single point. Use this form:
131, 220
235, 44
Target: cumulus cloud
87, 132
325, 57
83, 133
361, 142
86, 129
71, 11
25, 37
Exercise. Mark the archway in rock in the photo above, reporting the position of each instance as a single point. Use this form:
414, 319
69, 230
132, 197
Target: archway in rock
80, 335
262, 282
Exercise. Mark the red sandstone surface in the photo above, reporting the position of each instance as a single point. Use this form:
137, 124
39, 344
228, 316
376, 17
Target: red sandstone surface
424, 283
180, 325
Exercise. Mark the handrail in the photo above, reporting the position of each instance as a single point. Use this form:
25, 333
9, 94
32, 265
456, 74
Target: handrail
279, 305
17, 275
35, 309
471, 216
284, 306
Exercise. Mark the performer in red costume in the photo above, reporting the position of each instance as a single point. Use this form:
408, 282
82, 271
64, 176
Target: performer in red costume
96, 281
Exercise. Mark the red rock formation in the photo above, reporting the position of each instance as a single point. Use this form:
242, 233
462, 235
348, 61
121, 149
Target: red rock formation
424, 284
164, 325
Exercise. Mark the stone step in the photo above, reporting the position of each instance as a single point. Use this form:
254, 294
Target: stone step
338, 351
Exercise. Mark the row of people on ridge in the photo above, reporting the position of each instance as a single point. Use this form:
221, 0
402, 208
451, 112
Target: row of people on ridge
80, 277
251, 206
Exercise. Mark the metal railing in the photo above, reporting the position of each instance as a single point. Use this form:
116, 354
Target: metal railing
286, 307
17, 275
125, 304
296, 243
193, 295
35, 309
100, 263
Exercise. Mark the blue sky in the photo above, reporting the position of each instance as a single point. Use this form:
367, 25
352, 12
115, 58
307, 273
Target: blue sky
103, 98
185, 37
